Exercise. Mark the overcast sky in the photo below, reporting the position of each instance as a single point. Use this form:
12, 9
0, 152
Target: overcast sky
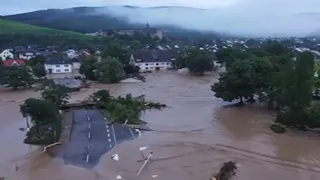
260, 17
18, 6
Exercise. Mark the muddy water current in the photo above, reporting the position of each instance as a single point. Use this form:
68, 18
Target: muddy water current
190, 141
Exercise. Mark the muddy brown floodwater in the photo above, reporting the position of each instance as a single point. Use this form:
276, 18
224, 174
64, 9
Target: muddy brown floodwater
192, 138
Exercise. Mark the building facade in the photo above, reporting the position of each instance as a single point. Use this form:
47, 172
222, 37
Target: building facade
153, 60
57, 65
6, 54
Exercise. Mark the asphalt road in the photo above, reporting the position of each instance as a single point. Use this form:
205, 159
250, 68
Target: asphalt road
91, 137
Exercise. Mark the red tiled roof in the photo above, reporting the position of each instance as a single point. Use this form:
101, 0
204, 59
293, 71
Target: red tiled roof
12, 62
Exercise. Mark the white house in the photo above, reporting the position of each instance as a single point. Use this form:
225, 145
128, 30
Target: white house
71, 53
5, 54
57, 65
152, 60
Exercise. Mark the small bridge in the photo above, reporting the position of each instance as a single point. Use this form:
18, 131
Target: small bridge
78, 105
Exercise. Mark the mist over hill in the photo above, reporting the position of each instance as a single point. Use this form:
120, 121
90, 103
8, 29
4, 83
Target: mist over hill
242, 20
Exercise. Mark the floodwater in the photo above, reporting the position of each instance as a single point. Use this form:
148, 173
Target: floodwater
190, 141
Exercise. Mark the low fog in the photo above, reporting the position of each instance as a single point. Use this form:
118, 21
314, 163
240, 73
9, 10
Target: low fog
246, 17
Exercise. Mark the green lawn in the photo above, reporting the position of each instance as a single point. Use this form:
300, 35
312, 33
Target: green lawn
10, 27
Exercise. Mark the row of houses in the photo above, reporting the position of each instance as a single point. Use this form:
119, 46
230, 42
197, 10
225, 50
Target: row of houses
27, 53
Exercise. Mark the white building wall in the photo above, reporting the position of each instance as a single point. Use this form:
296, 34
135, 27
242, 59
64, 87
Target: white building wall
5, 54
58, 68
152, 66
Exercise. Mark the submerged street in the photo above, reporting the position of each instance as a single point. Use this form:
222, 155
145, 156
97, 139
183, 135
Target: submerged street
91, 137
190, 141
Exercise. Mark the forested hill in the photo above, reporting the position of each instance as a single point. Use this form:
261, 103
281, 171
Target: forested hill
88, 20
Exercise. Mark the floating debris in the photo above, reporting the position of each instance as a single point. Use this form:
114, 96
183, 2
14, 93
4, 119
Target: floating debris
119, 177
115, 157
227, 171
156, 105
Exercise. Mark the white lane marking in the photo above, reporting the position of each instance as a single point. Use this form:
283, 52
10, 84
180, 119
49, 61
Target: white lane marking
108, 135
89, 135
109, 140
110, 145
87, 159
131, 133
88, 118
105, 118
107, 126
114, 135
85, 112
89, 125
107, 130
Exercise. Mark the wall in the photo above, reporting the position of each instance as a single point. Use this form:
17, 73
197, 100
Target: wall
152, 66
5, 54
58, 68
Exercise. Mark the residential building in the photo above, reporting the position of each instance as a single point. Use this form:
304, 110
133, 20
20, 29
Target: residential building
152, 60
6, 54
58, 64
13, 62
71, 53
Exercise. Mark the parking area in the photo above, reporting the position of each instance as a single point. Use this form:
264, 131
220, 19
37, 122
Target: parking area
68, 82
91, 137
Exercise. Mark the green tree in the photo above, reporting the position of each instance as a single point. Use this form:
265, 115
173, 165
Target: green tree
116, 51
17, 76
55, 93
236, 83
40, 111
197, 61
38, 70
88, 67
110, 70
36, 60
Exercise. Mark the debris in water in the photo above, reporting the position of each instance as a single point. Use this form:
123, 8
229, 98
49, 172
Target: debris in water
227, 171
154, 176
21, 129
119, 177
115, 157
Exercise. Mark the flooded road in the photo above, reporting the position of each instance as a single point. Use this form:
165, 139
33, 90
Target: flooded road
192, 138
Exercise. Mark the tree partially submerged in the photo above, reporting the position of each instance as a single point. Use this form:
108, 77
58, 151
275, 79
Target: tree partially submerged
196, 60
45, 119
55, 93
16, 77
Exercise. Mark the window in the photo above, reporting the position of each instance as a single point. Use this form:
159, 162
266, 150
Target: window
157, 64
58, 70
162, 63
168, 63
146, 64
151, 67
57, 65
147, 68
66, 65
151, 63
66, 70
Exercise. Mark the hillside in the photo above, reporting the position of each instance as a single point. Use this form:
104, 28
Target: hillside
93, 19
12, 27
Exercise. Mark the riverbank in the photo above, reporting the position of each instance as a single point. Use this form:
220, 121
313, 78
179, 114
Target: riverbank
191, 139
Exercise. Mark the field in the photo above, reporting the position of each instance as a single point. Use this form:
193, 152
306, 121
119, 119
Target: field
11, 27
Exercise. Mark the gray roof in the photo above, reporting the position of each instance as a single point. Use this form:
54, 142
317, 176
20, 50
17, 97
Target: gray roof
58, 60
154, 55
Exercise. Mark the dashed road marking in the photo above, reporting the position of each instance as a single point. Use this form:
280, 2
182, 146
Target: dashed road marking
114, 135
89, 135
107, 126
110, 145
88, 118
89, 125
109, 140
131, 133
108, 135
107, 130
